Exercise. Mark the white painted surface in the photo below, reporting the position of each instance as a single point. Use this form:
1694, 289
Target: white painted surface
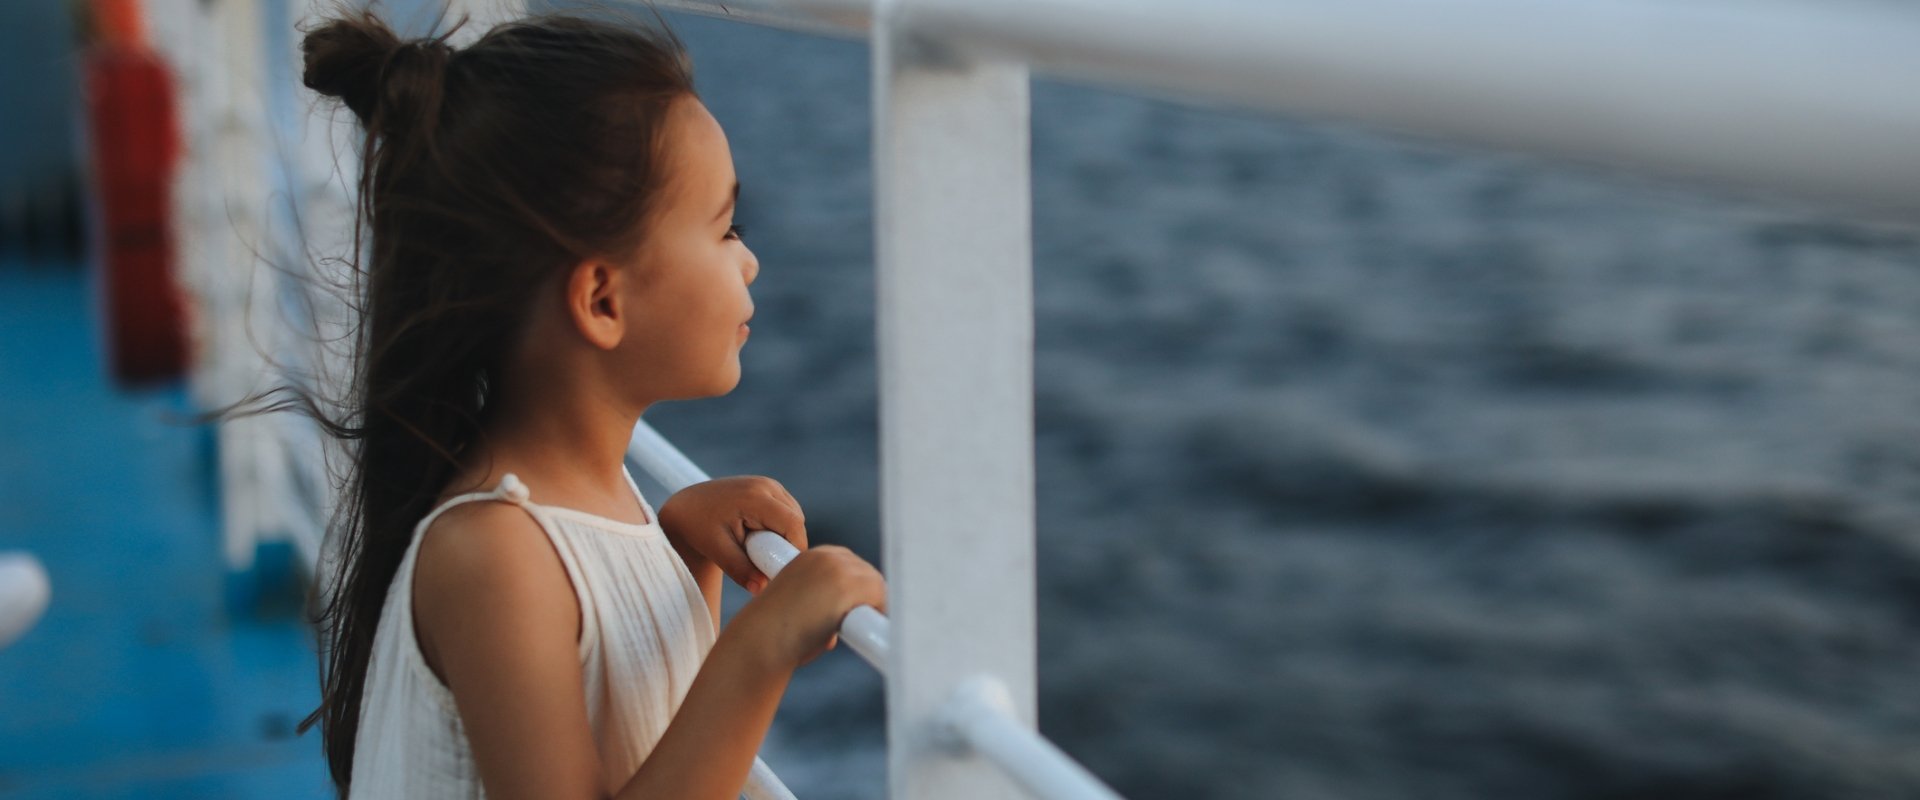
978, 718
955, 342
1810, 99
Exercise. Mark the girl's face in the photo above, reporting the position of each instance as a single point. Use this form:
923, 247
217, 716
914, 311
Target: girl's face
689, 303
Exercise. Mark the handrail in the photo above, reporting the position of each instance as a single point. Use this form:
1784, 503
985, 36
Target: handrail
978, 718
865, 629
852, 22
1805, 98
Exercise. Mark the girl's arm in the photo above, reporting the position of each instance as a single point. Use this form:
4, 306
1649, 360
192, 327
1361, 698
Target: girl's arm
708, 748
497, 619
705, 573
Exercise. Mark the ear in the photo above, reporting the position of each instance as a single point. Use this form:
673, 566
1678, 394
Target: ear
594, 302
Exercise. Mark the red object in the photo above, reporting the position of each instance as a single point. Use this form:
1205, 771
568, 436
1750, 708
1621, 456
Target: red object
135, 135
119, 23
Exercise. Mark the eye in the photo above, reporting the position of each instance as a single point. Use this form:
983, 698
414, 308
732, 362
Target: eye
735, 231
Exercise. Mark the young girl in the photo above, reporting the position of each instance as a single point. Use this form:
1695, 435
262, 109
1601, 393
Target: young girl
549, 214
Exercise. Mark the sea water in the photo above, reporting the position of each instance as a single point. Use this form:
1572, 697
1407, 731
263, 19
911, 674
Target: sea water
1372, 467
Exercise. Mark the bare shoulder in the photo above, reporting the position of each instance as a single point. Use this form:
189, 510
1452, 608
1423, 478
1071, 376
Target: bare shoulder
487, 578
486, 543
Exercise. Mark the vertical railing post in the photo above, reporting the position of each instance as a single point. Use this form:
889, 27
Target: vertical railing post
236, 289
955, 339
324, 164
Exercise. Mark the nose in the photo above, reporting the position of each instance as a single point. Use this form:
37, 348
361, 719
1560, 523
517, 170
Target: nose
750, 267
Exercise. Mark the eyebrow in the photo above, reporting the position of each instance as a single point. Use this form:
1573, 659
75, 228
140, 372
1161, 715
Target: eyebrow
731, 199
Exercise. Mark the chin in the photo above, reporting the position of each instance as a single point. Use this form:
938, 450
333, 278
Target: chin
719, 385
728, 382
722, 379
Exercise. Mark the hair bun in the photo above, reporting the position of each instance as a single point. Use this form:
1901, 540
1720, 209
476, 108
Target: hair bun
379, 77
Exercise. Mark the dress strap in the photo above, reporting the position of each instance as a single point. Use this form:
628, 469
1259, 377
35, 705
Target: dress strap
512, 490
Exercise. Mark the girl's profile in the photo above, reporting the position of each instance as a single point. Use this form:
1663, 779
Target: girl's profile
548, 247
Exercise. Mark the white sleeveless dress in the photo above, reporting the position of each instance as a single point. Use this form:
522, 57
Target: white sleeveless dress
645, 629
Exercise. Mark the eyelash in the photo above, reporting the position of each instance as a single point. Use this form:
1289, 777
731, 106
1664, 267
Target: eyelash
735, 231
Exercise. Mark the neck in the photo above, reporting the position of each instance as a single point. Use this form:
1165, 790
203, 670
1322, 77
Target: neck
569, 433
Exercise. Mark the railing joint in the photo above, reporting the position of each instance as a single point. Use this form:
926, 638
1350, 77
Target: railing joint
979, 694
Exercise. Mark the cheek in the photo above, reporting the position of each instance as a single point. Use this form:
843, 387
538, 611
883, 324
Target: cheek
684, 323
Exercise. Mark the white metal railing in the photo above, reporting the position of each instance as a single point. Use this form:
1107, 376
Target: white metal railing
864, 629
978, 716
1813, 99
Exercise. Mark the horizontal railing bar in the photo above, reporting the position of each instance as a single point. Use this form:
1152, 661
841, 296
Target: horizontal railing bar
1811, 99
762, 784
864, 629
848, 23
979, 717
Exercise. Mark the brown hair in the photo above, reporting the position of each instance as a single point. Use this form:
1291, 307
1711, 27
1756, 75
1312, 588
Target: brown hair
487, 171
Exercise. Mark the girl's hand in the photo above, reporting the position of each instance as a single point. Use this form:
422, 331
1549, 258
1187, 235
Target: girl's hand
712, 520
798, 617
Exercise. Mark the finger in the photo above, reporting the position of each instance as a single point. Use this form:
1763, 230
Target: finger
786, 522
734, 562
799, 535
779, 493
791, 500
